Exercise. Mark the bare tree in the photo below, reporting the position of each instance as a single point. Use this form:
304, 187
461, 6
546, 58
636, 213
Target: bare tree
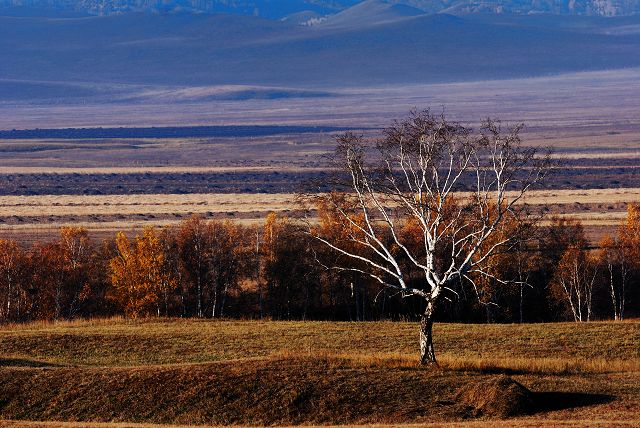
574, 282
193, 240
12, 261
457, 188
621, 256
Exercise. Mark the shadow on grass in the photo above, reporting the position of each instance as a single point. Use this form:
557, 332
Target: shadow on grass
550, 401
21, 362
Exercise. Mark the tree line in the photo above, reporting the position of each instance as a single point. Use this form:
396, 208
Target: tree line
215, 269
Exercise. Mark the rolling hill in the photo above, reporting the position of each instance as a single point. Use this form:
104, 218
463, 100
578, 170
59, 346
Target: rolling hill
370, 12
391, 46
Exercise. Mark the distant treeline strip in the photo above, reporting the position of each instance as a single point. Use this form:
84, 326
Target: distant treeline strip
167, 132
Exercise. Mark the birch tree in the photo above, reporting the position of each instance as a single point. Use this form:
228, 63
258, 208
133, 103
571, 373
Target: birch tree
76, 251
193, 242
11, 270
621, 256
613, 255
226, 261
574, 282
285, 268
458, 187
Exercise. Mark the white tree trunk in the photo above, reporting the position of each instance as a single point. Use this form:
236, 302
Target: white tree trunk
427, 352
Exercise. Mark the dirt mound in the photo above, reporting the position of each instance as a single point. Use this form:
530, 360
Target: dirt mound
500, 397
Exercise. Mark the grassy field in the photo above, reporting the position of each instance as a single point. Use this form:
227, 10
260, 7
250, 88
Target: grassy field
289, 373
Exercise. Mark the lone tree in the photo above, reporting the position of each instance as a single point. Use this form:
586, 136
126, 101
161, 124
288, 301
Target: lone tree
457, 193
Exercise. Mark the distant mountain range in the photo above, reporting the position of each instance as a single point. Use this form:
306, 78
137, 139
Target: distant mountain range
372, 43
139, 57
278, 9
275, 9
526, 7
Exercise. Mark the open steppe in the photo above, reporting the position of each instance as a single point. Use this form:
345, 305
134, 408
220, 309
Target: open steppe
590, 119
285, 373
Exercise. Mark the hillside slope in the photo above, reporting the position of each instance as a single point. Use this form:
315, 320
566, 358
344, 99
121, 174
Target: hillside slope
185, 49
370, 12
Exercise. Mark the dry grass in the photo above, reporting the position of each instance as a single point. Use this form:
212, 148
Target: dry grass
50, 424
596, 219
207, 372
590, 196
43, 214
511, 423
282, 391
558, 347
256, 392
38, 206
555, 366
30, 206
514, 365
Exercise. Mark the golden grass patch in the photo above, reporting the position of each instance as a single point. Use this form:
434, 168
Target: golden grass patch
557, 347
43, 205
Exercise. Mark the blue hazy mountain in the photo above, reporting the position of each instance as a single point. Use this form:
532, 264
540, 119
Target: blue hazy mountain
282, 8
528, 7
274, 9
371, 43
